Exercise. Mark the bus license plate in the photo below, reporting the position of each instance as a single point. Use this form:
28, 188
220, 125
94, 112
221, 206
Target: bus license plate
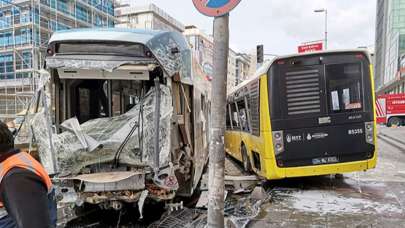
325, 160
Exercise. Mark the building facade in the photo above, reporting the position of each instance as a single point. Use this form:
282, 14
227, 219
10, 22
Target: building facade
203, 49
25, 28
231, 77
242, 67
145, 17
389, 46
203, 52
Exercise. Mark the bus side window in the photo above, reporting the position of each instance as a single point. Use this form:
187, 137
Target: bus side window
248, 114
243, 115
235, 117
228, 118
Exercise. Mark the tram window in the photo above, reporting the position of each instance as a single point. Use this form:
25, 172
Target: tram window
84, 104
116, 103
90, 99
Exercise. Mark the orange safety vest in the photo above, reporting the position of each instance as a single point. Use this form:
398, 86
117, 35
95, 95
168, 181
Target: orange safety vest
25, 161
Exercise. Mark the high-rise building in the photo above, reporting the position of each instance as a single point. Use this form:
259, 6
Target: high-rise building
145, 17
25, 27
402, 66
389, 46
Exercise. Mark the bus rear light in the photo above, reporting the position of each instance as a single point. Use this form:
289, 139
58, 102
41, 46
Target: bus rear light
49, 52
369, 126
279, 147
360, 56
278, 142
280, 163
148, 54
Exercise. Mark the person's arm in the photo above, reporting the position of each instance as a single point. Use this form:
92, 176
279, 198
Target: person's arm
25, 198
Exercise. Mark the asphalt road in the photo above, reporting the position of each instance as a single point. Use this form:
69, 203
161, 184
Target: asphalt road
375, 198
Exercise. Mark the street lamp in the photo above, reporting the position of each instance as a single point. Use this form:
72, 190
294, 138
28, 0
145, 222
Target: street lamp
326, 24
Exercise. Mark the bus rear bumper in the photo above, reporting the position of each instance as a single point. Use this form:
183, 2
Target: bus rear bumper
318, 170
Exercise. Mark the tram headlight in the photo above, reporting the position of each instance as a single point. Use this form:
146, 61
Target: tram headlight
278, 142
369, 127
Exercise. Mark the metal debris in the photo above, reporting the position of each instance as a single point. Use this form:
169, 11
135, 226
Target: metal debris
185, 218
203, 200
241, 211
174, 206
141, 202
111, 181
259, 193
241, 184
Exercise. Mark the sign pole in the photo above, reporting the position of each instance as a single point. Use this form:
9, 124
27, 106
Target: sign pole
219, 9
216, 171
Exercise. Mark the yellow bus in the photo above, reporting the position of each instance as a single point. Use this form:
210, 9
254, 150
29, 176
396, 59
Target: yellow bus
305, 115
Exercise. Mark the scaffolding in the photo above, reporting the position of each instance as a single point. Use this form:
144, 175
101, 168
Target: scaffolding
25, 28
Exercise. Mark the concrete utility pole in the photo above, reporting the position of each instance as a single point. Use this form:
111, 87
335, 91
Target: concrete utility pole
216, 169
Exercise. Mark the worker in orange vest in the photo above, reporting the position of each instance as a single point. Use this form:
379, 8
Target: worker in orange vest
26, 191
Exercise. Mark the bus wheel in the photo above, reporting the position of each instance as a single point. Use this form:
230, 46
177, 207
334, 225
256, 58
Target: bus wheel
394, 121
245, 159
339, 176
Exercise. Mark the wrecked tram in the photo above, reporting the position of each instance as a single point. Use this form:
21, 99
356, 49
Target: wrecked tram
130, 117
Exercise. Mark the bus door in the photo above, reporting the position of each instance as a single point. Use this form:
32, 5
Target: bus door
234, 129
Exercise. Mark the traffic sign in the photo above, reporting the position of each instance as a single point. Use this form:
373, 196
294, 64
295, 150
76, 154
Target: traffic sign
215, 8
310, 47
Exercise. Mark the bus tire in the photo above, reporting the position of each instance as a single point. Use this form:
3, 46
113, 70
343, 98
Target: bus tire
394, 121
245, 159
339, 176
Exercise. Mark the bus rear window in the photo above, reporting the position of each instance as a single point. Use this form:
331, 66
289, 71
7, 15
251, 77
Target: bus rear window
344, 87
136, 50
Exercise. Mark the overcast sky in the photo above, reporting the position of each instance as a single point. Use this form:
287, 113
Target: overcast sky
281, 25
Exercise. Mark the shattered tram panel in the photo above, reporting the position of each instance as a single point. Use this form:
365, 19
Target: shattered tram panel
112, 181
72, 156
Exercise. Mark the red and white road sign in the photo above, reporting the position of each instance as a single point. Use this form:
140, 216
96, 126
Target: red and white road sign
215, 8
310, 47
